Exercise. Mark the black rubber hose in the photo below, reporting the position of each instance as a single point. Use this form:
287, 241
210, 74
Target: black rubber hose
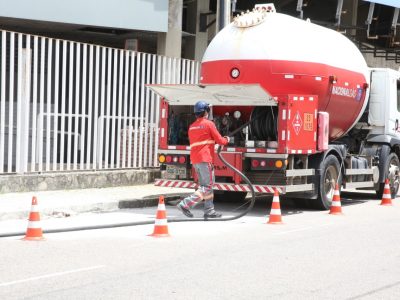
264, 123
253, 195
81, 228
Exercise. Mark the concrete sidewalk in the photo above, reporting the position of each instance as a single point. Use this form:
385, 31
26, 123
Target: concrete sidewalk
70, 202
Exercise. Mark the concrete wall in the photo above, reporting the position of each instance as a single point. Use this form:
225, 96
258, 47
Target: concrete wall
151, 15
71, 181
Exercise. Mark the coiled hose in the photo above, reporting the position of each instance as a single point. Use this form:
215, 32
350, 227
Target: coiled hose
264, 123
128, 224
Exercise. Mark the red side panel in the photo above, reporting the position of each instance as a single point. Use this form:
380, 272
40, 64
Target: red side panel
323, 130
297, 126
280, 77
220, 169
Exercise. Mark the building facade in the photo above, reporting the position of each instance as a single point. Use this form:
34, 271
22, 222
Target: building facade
73, 93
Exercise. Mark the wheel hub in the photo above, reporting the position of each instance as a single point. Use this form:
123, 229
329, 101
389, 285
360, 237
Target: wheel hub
330, 180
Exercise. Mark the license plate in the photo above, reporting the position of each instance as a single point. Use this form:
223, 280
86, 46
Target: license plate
176, 170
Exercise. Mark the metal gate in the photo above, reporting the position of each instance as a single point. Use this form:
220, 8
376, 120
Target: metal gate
74, 106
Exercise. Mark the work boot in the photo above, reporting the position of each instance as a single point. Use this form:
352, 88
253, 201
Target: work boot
212, 215
184, 210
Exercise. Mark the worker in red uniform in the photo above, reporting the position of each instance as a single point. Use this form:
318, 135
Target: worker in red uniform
203, 135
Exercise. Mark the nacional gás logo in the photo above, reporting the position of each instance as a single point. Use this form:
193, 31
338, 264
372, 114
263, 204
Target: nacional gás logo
342, 91
297, 122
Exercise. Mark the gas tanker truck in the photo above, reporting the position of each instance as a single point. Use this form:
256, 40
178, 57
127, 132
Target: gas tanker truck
318, 115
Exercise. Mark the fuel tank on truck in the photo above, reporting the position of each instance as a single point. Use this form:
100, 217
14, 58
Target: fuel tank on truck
286, 55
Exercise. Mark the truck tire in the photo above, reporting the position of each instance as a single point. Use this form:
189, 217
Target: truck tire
329, 175
229, 196
391, 159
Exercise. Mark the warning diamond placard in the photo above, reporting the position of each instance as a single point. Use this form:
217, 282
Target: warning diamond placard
297, 123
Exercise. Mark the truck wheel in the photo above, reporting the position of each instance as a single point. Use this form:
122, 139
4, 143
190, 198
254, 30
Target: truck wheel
392, 165
330, 170
229, 196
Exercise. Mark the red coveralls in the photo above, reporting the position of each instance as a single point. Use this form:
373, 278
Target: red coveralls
203, 135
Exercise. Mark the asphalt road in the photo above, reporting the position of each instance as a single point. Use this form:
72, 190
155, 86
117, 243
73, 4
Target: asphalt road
313, 255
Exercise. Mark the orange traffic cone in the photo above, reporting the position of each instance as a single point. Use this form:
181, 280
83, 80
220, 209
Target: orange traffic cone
34, 231
386, 197
336, 207
160, 226
275, 216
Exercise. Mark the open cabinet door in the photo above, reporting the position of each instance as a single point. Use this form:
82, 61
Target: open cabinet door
214, 94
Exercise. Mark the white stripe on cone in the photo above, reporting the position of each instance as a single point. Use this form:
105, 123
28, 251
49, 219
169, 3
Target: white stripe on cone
386, 188
336, 193
386, 196
335, 203
161, 222
161, 206
34, 224
275, 211
34, 208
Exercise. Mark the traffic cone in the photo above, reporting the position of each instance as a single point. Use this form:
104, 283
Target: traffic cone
275, 216
336, 207
160, 226
34, 231
386, 197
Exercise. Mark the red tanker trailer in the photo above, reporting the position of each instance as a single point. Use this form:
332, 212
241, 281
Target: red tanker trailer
318, 115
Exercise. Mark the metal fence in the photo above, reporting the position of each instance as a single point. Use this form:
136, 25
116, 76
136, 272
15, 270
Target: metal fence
73, 106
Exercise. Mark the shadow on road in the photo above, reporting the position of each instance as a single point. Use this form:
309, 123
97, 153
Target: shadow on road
262, 206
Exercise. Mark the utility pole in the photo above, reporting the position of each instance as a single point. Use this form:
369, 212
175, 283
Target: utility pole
223, 13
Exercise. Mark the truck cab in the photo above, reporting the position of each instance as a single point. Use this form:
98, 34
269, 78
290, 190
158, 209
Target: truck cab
384, 103
383, 133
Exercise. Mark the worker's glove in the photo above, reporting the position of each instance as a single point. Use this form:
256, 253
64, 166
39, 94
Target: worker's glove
228, 138
216, 146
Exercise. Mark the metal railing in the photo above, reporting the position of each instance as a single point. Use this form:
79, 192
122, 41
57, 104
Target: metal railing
389, 54
56, 94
